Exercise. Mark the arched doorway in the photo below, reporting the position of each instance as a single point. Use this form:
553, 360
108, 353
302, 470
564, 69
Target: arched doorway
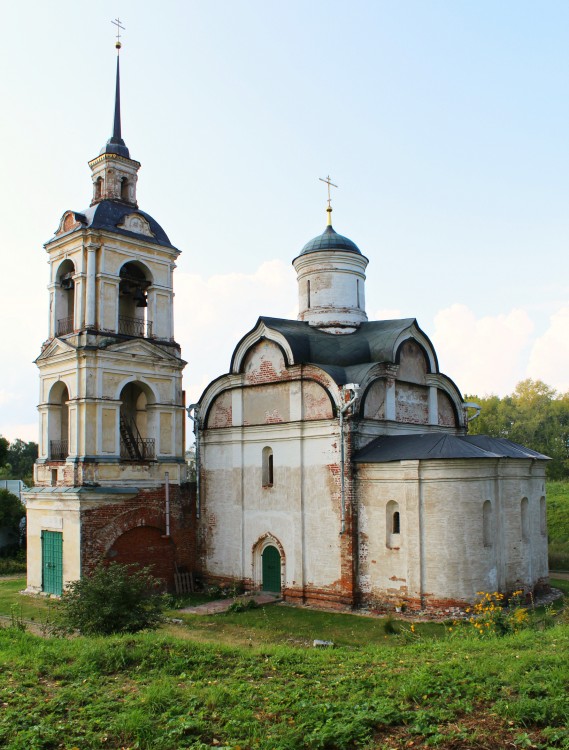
271, 563
133, 302
146, 546
58, 422
65, 299
135, 423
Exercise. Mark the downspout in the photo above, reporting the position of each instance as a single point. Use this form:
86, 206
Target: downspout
348, 388
194, 414
167, 493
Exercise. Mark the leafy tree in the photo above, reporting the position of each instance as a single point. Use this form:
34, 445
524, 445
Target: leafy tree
4, 444
11, 511
534, 415
21, 457
115, 598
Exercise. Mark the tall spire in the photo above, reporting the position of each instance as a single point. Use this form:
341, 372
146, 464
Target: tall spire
115, 144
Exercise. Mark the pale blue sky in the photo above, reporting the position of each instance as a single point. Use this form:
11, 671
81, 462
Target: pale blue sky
445, 124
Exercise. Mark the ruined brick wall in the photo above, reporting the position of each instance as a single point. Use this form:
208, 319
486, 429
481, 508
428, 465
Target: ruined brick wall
133, 531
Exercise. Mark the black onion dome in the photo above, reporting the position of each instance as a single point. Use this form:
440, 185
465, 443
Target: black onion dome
330, 240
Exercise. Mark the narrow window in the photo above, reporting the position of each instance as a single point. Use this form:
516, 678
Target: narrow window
267, 467
542, 517
358, 293
98, 188
392, 525
395, 529
53, 477
308, 294
524, 510
487, 523
270, 469
124, 189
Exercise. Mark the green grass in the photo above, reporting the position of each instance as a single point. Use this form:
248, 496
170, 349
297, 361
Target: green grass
155, 691
558, 524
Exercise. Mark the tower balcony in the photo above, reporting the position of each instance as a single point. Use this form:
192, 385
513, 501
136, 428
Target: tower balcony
65, 326
135, 327
58, 450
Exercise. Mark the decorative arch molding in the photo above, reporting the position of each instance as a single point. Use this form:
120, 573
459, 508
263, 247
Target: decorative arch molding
266, 540
423, 342
56, 391
127, 521
253, 337
140, 266
144, 386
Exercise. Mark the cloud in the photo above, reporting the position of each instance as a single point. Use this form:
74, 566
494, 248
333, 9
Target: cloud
549, 357
214, 313
482, 355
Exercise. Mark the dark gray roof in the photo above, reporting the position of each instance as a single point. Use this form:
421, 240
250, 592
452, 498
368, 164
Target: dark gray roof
437, 445
108, 214
347, 357
330, 240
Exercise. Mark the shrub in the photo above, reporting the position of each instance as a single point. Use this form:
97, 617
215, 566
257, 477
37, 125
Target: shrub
113, 599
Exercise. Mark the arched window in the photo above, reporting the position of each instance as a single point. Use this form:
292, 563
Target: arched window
487, 524
524, 512
124, 190
392, 525
542, 516
133, 303
98, 189
65, 299
135, 425
267, 470
308, 293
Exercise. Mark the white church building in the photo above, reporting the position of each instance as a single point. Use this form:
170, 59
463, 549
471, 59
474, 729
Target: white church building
336, 467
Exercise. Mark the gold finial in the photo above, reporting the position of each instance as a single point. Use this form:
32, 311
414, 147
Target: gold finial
329, 209
119, 26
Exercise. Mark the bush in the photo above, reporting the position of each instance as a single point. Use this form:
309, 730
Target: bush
113, 599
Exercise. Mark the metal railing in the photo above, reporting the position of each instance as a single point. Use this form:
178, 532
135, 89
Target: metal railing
58, 450
65, 325
135, 327
141, 449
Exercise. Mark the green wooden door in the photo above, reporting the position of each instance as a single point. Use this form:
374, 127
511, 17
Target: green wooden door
52, 562
271, 569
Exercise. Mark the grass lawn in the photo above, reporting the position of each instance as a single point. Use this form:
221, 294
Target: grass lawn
257, 685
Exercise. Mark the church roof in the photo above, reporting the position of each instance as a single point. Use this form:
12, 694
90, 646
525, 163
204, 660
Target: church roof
108, 214
437, 445
330, 240
347, 357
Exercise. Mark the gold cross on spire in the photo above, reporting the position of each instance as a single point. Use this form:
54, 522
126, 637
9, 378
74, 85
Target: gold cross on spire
119, 26
330, 184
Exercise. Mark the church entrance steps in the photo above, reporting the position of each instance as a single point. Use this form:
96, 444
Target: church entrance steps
222, 605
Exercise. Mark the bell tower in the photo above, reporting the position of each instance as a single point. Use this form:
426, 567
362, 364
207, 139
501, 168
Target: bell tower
111, 447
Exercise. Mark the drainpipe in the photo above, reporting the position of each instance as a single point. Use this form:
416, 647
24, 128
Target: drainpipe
349, 388
167, 487
194, 414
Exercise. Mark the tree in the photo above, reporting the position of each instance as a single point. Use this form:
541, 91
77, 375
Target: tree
534, 415
11, 511
115, 598
4, 444
19, 462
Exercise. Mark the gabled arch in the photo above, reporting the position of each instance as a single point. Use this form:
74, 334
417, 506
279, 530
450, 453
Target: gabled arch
249, 340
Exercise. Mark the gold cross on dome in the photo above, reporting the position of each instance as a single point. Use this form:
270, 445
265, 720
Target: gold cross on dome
330, 184
118, 24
